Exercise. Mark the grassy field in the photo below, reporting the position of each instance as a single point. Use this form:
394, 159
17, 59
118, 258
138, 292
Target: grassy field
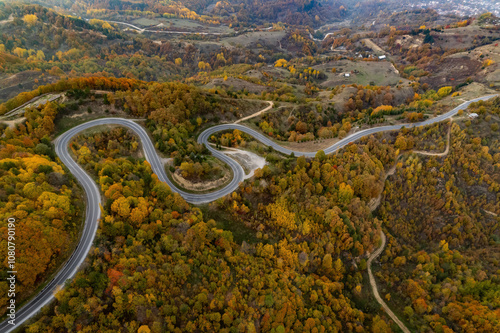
144, 21
380, 73
468, 92
264, 38
462, 38
180, 24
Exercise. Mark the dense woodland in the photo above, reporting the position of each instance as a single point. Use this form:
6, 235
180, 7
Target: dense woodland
160, 265
310, 219
38, 191
441, 262
287, 251
235, 12
81, 47
34, 39
299, 264
365, 105
42, 197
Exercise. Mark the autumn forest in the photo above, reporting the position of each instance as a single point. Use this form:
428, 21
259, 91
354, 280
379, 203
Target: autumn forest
292, 248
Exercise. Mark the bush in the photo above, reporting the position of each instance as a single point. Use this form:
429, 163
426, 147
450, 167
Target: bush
444, 91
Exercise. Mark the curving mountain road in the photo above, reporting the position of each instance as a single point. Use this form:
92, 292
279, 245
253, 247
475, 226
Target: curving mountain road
93, 196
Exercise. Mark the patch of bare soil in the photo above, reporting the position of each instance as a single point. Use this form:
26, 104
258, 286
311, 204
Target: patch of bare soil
409, 41
166, 160
12, 123
254, 73
451, 71
200, 186
248, 160
487, 54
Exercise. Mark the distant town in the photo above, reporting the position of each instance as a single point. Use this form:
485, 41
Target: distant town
460, 7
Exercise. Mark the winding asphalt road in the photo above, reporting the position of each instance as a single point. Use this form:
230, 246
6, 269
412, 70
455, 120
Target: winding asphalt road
93, 195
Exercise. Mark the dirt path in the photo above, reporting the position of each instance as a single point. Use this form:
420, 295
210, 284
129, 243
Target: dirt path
373, 204
438, 154
10, 19
491, 213
256, 113
375, 289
